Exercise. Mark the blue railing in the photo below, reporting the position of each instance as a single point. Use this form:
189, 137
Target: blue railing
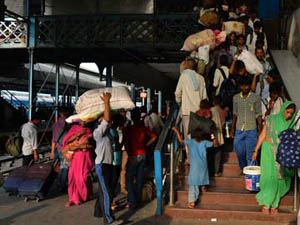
162, 141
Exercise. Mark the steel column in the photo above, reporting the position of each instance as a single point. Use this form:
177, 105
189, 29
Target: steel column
158, 181
132, 92
30, 84
171, 203
159, 102
109, 76
57, 91
77, 83
148, 99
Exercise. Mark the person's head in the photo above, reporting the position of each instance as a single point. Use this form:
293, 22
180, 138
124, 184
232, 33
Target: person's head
245, 84
232, 37
241, 40
257, 27
275, 90
253, 15
198, 134
117, 120
136, 115
63, 112
272, 76
36, 118
216, 100
224, 60
244, 19
189, 64
240, 68
260, 53
289, 111
122, 112
204, 104
259, 44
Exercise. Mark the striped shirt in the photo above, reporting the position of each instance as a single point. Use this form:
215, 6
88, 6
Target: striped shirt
247, 110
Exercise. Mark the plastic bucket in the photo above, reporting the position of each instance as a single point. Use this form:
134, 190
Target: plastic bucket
252, 175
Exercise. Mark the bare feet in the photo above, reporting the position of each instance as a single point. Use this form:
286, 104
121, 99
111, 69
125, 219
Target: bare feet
191, 205
69, 204
204, 189
274, 211
114, 206
265, 210
124, 191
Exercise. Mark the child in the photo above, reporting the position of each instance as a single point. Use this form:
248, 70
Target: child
246, 110
218, 116
198, 175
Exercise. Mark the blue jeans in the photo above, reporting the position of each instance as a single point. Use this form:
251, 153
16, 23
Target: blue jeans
135, 169
63, 171
193, 193
244, 145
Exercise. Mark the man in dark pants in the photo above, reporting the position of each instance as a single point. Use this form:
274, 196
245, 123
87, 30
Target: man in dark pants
30, 142
104, 165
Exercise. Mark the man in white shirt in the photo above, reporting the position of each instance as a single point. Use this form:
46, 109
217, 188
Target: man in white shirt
190, 91
221, 74
252, 38
253, 19
30, 143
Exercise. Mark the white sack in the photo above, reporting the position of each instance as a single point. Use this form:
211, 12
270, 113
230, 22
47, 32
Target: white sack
253, 66
90, 105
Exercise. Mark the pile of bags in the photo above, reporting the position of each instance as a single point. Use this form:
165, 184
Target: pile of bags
233, 26
205, 37
90, 105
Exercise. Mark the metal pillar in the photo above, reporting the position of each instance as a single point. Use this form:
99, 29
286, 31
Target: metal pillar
132, 92
158, 182
148, 100
159, 103
57, 91
30, 84
109, 76
77, 83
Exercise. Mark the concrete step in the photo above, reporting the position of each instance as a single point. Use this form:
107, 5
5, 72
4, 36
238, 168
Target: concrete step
235, 183
227, 196
230, 212
231, 158
231, 170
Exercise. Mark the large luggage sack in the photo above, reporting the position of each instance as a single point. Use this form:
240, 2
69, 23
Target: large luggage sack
37, 181
14, 180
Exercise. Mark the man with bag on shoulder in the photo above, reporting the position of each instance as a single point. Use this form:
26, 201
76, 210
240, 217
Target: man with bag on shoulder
30, 143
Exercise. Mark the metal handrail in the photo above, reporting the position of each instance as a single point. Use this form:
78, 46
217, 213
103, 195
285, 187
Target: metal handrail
9, 94
158, 159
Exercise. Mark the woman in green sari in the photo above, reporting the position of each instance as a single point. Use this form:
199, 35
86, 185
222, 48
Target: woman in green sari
275, 181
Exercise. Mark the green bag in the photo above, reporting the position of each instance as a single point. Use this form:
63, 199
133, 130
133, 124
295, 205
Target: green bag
14, 144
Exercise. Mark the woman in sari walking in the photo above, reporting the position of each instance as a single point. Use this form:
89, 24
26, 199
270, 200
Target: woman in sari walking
77, 148
275, 181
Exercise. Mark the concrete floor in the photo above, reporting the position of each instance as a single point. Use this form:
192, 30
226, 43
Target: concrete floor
14, 211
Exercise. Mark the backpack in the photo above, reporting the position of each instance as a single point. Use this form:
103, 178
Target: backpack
288, 152
14, 144
228, 89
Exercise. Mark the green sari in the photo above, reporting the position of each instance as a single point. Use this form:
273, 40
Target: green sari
275, 181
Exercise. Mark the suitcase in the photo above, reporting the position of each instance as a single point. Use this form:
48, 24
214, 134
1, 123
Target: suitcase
37, 181
14, 180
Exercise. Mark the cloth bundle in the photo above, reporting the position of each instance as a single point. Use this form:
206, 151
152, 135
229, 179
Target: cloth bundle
233, 26
205, 37
90, 105
253, 66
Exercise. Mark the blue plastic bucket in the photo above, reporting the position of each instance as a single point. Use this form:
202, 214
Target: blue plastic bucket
252, 176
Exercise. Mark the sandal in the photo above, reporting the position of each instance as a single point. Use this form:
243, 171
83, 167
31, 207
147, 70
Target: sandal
204, 189
265, 210
69, 204
274, 211
191, 205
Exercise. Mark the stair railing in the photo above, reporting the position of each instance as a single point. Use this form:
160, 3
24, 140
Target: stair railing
11, 96
162, 141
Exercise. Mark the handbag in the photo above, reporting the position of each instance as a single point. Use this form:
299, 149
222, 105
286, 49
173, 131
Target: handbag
288, 153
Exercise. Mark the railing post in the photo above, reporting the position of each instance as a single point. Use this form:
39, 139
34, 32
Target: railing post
148, 100
158, 181
77, 82
132, 92
56, 91
295, 191
108, 76
159, 102
171, 174
30, 84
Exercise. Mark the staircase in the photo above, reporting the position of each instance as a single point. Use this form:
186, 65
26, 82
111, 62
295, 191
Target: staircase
227, 199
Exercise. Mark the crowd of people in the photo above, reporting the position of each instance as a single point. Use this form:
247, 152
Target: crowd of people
220, 90
255, 105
